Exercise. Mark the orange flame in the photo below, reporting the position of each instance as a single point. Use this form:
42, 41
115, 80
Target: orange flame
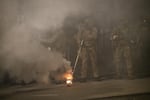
68, 75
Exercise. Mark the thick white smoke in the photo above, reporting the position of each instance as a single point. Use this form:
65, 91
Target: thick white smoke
24, 22
25, 58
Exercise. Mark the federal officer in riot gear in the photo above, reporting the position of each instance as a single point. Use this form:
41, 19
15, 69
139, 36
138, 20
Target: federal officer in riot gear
87, 33
122, 52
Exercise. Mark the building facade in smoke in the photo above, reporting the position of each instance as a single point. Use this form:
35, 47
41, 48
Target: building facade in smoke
88, 33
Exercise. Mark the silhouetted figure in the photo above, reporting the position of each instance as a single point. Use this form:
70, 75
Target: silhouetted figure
88, 33
122, 53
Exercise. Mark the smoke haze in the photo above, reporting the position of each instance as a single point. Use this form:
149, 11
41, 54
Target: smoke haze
25, 23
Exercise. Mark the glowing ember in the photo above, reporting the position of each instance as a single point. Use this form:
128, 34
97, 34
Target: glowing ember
68, 78
69, 82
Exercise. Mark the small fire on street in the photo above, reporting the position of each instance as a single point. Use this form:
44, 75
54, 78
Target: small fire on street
68, 76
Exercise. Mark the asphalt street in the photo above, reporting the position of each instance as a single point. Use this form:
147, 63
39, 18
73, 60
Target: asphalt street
78, 91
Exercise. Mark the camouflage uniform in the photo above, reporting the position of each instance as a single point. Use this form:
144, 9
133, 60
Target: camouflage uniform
121, 49
88, 34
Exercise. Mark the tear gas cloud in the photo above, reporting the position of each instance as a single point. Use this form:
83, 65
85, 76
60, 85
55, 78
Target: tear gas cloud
25, 59
24, 23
